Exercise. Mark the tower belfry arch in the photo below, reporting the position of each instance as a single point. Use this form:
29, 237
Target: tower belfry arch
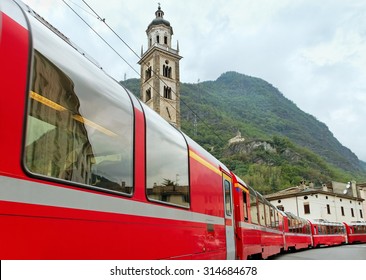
160, 88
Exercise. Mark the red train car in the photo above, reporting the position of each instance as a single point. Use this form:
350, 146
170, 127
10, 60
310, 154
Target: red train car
259, 224
328, 233
297, 232
93, 173
90, 172
356, 232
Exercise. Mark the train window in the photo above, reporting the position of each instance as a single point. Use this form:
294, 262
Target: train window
261, 210
268, 217
275, 218
293, 225
227, 187
245, 206
253, 207
273, 215
80, 128
167, 177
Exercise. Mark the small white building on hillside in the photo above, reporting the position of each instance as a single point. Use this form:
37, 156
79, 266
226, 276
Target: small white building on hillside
338, 202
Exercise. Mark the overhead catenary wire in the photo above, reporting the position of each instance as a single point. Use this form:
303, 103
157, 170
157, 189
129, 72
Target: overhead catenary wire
103, 20
109, 45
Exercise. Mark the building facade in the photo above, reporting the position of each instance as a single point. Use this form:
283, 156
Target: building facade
160, 70
325, 202
362, 194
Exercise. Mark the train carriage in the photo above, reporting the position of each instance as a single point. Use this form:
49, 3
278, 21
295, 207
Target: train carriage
93, 173
327, 233
259, 225
297, 232
356, 232
90, 172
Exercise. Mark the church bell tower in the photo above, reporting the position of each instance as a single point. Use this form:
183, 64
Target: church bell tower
160, 70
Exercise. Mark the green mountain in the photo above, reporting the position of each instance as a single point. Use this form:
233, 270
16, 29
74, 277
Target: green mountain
294, 144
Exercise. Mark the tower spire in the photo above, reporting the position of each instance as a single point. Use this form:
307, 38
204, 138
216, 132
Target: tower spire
160, 70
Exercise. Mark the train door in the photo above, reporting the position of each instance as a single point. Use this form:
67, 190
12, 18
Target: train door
229, 218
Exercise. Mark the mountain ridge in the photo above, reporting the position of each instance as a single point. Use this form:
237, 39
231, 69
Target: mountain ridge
212, 112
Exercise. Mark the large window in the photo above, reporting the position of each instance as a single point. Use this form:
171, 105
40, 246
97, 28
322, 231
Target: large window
253, 206
80, 126
167, 177
261, 211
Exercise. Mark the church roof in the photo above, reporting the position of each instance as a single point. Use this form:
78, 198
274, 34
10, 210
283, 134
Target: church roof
160, 20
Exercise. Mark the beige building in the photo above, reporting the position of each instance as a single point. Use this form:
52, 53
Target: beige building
362, 194
160, 70
336, 202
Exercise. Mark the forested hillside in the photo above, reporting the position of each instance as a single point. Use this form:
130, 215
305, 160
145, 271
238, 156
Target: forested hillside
212, 112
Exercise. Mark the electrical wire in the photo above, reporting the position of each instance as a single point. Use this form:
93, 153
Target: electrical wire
103, 20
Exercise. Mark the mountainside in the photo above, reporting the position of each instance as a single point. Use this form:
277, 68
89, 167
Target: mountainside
212, 112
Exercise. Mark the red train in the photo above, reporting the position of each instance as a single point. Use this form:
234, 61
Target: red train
328, 233
356, 232
90, 172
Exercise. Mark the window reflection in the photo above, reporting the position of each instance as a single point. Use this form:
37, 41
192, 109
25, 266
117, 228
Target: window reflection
167, 177
70, 134
253, 206
227, 186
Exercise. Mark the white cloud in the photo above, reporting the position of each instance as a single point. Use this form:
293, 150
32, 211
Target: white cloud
313, 51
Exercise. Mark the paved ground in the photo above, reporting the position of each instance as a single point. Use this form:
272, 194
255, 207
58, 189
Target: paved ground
345, 252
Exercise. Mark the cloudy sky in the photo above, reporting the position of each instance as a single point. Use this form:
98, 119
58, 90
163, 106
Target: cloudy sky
313, 51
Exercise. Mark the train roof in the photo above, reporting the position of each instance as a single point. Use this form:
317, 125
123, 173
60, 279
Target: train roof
325, 222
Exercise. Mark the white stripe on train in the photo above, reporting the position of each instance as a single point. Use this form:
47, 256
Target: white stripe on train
22, 191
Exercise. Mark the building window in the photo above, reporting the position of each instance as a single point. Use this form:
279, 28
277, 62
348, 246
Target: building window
306, 208
148, 95
167, 92
280, 207
148, 73
158, 39
165, 40
167, 71
361, 216
352, 212
342, 210
328, 209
